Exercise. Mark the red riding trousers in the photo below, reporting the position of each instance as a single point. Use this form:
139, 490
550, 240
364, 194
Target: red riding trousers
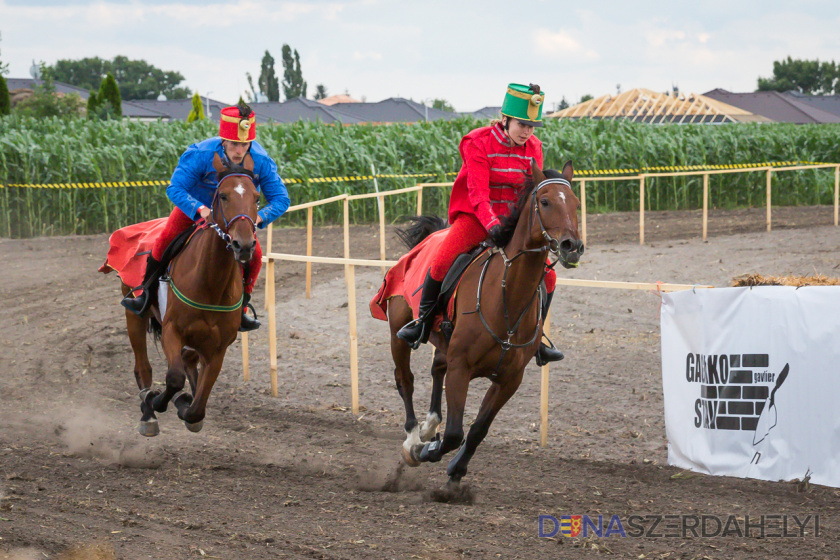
465, 234
178, 222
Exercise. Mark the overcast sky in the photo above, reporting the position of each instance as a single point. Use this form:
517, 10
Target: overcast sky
462, 51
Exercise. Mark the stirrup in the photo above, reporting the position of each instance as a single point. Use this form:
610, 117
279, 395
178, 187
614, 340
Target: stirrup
247, 324
547, 353
412, 340
136, 305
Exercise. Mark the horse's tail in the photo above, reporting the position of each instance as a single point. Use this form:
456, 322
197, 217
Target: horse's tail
155, 329
419, 229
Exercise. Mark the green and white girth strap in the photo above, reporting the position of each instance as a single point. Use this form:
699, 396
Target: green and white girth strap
204, 306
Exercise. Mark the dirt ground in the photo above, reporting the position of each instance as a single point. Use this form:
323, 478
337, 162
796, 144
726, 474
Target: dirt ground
300, 476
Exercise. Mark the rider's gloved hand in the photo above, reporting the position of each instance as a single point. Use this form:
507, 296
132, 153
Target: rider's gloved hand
495, 235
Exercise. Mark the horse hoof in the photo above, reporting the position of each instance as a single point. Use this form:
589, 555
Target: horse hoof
408, 459
148, 428
194, 428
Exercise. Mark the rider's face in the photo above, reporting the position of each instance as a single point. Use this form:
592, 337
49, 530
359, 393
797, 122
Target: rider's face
236, 151
518, 131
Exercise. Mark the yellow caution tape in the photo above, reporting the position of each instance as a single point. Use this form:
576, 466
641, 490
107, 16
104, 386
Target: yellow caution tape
292, 181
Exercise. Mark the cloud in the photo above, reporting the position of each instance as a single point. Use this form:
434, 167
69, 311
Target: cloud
659, 37
559, 43
366, 55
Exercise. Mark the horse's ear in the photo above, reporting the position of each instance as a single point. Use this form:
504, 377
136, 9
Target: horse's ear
248, 163
568, 171
218, 164
537, 174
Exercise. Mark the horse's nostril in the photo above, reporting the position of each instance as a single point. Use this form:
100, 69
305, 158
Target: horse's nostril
567, 246
580, 247
236, 245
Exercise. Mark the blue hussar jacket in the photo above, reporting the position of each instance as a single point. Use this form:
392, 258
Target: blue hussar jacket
193, 182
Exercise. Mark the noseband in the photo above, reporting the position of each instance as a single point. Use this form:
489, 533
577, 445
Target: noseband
223, 233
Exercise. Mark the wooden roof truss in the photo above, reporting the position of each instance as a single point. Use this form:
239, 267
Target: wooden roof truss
644, 105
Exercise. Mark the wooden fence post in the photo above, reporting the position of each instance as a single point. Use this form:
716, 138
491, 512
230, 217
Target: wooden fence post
769, 175
583, 211
705, 205
272, 327
420, 201
381, 202
350, 272
836, 194
266, 250
544, 391
641, 210
346, 235
246, 370
309, 252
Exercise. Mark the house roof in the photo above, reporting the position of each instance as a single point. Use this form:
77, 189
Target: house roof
300, 109
827, 103
485, 113
394, 109
131, 109
649, 106
179, 109
778, 107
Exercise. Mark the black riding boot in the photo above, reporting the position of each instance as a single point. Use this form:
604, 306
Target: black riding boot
417, 331
546, 353
139, 304
247, 323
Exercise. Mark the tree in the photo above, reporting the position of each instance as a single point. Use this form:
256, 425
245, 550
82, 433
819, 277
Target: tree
137, 79
5, 100
268, 82
252, 95
293, 83
805, 76
92, 105
443, 105
197, 111
562, 105
109, 94
585, 97
320, 92
47, 103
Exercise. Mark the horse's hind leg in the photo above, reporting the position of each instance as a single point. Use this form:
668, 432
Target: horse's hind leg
399, 313
428, 428
495, 398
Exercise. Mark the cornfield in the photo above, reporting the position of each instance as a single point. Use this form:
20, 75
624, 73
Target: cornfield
50, 151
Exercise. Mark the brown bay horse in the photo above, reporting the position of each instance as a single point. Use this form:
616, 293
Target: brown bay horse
497, 327
204, 301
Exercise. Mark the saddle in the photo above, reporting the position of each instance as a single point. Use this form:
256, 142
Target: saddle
450, 283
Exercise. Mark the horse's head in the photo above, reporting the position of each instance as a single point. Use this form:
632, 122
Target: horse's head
235, 205
552, 214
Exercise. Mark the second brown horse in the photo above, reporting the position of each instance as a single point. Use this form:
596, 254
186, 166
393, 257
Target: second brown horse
497, 327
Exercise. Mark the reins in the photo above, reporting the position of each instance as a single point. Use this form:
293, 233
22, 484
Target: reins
552, 246
227, 239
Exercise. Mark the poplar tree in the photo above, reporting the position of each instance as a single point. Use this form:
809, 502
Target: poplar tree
293, 83
110, 93
5, 99
268, 82
197, 111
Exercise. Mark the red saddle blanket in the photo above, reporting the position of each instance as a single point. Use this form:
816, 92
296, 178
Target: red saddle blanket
129, 248
406, 279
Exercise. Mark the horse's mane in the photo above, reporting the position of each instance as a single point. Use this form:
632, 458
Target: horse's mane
508, 223
231, 168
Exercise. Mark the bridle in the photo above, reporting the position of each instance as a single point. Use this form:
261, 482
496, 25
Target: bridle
552, 246
223, 233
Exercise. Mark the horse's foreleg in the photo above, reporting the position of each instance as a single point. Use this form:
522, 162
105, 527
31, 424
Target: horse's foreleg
457, 384
176, 376
429, 427
190, 357
495, 398
399, 313
193, 416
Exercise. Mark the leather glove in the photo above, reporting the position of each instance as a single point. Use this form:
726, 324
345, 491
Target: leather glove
495, 235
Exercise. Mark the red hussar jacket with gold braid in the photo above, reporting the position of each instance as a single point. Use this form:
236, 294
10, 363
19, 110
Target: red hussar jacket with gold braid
493, 173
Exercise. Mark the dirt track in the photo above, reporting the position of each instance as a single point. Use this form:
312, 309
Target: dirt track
301, 477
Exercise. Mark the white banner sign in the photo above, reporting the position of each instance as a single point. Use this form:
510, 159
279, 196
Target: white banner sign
751, 378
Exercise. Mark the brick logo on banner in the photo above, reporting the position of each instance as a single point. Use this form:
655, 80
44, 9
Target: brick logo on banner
734, 389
